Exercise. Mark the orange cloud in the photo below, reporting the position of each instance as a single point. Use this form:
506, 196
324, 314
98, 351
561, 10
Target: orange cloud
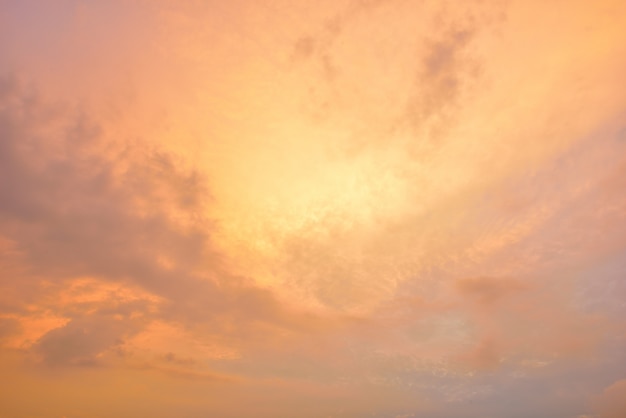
353, 208
612, 402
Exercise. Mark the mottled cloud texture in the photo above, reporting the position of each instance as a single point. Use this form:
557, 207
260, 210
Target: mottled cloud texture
388, 208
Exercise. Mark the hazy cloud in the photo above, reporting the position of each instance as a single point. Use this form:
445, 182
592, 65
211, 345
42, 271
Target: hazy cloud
358, 208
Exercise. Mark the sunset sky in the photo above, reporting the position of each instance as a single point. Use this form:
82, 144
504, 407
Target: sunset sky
312, 209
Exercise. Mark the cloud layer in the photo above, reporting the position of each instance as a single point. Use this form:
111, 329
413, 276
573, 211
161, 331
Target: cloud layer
358, 208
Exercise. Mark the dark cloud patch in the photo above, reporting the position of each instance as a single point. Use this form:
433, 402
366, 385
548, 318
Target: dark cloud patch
443, 54
83, 340
304, 47
446, 73
170, 357
77, 208
445, 65
77, 203
489, 290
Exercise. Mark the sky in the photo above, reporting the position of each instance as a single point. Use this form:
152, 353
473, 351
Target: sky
298, 209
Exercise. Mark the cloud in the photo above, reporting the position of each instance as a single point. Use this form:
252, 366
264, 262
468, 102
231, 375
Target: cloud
387, 208
445, 76
489, 290
612, 402
72, 199
82, 341
76, 203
